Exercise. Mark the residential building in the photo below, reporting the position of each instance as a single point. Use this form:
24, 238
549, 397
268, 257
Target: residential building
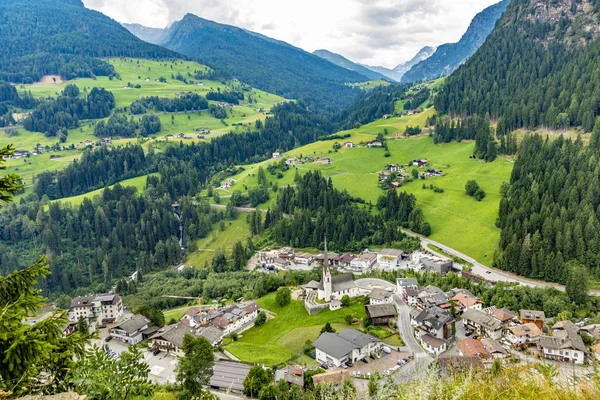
403, 283
346, 259
323, 160
494, 348
81, 307
432, 296
537, 317
228, 376
433, 321
470, 347
411, 295
234, 318
303, 258
170, 338
565, 344
130, 329
364, 261
432, 344
389, 258
381, 314
349, 145
595, 350
485, 325
348, 345
292, 375
592, 330
466, 301
108, 307
212, 334
524, 334
276, 155
380, 296
504, 315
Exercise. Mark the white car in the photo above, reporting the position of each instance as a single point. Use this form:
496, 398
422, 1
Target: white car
386, 349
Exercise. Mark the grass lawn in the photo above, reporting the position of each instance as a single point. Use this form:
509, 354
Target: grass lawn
457, 220
176, 313
234, 230
284, 336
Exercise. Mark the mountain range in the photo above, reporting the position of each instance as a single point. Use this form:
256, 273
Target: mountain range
398, 72
35, 42
448, 57
343, 62
262, 62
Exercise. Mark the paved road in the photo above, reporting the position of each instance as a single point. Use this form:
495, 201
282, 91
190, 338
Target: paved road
421, 358
367, 284
488, 273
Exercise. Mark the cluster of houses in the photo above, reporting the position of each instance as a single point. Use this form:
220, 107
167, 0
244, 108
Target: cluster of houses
308, 159
179, 136
227, 183
490, 332
395, 175
18, 154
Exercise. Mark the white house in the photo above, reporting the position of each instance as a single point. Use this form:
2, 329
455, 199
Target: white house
389, 258
104, 307
130, 330
433, 345
276, 155
348, 345
523, 334
484, 324
565, 344
364, 261
303, 258
81, 307
380, 296
170, 338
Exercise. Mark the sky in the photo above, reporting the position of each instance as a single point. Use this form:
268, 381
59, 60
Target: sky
373, 32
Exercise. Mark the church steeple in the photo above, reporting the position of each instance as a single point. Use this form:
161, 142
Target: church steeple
326, 274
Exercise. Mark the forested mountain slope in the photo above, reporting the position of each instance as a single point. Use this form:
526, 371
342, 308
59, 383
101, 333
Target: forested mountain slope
269, 65
62, 37
448, 57
345, 63
538, 68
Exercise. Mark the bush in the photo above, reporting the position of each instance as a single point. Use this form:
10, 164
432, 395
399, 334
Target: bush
471, 188
260, 319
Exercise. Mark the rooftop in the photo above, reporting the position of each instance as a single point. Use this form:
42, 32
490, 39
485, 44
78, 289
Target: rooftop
532, 315
391, 252
379, 294
229, 375
482, 319
381, 310
133, 324
471, 347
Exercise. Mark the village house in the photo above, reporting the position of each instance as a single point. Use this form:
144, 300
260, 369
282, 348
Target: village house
433, 345
364, 262
332, 258
227, 183
349, 145
565, 344
591, 330
466, 301
537, 317
525, 334
411, 295
389, 258
229, 376
293, 161
436, 265
290, 374
595, 350
182, 136
431, 296
433, 321
234, 318
130, 330
470, 347
420, 163
433, 173
346, 260
494, 348
348, 345
323, 160
403, 283
485, 325
276, 155
106, 141
375, 143
380, 296
506, 317
303, 258
381, 314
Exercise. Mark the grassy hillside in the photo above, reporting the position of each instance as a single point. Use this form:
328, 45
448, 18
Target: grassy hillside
456, 219
284, 336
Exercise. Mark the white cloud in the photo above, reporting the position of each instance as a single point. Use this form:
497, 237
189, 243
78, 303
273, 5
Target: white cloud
377, 32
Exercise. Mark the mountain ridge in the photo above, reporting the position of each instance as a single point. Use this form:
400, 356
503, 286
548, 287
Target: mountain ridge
448, 57
343, 62
399, 70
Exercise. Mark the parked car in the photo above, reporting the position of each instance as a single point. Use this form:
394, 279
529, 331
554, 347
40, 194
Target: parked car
324, 366
386, 349
102, 326
155, 352
108, 338
349, 364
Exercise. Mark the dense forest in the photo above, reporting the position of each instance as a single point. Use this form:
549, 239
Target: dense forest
91, 244
549, 214
185, 102
37, 43
538, 68
52, 116
317, 210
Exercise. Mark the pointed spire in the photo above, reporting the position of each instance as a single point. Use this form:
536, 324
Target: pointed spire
325, 258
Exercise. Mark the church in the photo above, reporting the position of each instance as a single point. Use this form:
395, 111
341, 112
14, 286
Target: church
335, 287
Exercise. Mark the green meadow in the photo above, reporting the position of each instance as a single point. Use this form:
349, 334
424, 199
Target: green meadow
284, 336
457, 220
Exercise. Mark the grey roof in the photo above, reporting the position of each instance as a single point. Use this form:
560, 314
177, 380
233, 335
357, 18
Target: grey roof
290, 374
85, 301
229, 375
532, 315
347, 258
106, 297
212, 334
568, 334
174, 334
432, 341
133, 324
334, 345
482, 319
379, 294
492, 346
340, 344
412, 291
340, 283
407, 282
391, 252
312, 285
434, 316
381, 310
593, 330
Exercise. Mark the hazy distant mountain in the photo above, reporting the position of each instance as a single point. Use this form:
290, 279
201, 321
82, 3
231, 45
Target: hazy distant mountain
345, 63
262, 62
448, 57
398, 72
150, 35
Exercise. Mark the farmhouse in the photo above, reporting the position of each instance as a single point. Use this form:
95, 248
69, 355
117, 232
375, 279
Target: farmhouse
484, 324
389, 258
348, 345
375, 143
363, 262
380, 296
130, 330
381, 314
276, 155
349, 145
323, 160
106, 141
420, 163
170, 338
182, 136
